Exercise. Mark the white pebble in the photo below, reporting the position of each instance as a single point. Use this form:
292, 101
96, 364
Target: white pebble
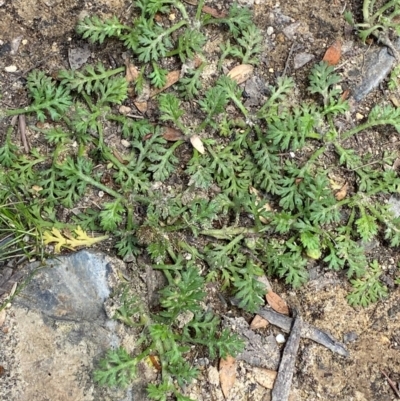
125, 143
270, 30
280, 339
10, 68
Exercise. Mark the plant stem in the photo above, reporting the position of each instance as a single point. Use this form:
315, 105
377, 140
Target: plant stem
365, 126
384, 8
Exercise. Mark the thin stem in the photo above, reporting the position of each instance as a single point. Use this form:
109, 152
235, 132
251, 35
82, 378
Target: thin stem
310, 161
365, 126
384, 8
199, 9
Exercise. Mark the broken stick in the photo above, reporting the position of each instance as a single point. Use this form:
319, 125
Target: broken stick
284, 378
307, 331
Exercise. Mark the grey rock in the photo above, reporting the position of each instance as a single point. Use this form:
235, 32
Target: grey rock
260, 351
255, 89
78, 56
291, 30
377, 67
301, 59
57, 329
5, 49
70, 288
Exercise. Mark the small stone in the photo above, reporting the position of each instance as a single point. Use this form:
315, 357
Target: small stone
78, 56
25, 42
349, 337
125, 143
203, 362
291, 30
359, 116
124, 110
280, 339
270, 30
11, 68
101, 194
301, 59
213, 376
15, 45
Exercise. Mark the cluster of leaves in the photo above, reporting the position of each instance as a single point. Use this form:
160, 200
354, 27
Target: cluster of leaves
368, 289
259, 197
151, 41
164, 338
379, 20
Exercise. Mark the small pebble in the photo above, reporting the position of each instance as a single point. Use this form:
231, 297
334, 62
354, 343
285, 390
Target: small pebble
125, 143
280, 339
350, 337
124, 109
359, 116
101, 194
301, 59
11, 68
270, 30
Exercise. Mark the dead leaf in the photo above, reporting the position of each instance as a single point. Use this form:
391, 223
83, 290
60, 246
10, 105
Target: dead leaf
141, 106
258, 323
333, 53
132, 72
335, 182
208, 10
264, 377
277, 303
227, 374
80, 238
155, 362
172, 134
345, 95
241, 73
36, 189
172, 78
2, 317
213, 12
395, 101
396, 164
197, 144
341, 194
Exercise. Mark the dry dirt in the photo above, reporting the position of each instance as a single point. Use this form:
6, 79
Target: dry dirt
46, 30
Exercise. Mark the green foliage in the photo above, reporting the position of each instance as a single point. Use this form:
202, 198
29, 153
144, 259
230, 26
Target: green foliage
47, 97
151, 42
247, 47
379, 20
259, 200
164, 337
368, 289
118, 368
394, 78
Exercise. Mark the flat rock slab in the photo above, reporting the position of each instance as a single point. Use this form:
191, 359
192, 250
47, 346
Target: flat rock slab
57, 329
377, 67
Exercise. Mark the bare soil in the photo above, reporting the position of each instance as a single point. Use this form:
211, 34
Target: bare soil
46, 30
